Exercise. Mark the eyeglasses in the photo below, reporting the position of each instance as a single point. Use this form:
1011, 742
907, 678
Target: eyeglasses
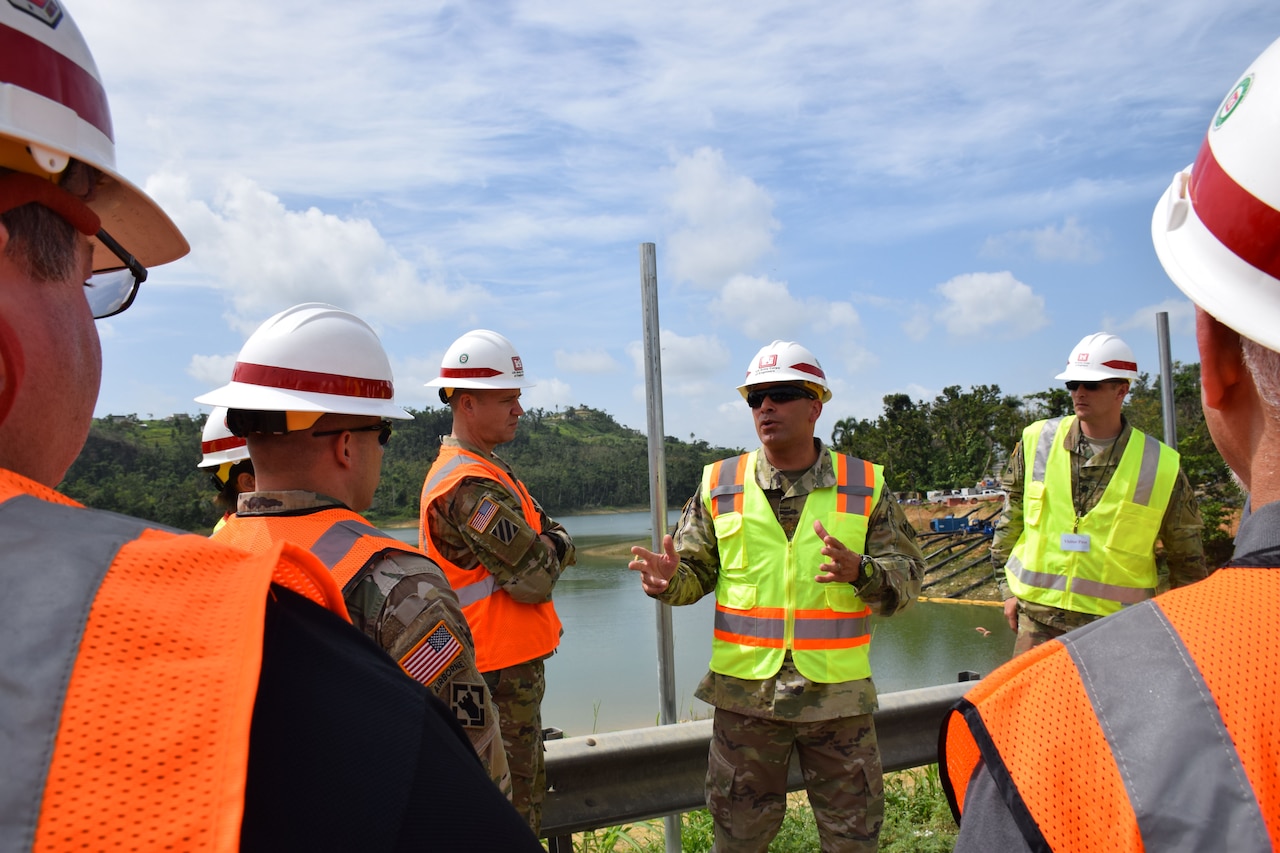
111, 292
1091, 386
382, 428
781, 394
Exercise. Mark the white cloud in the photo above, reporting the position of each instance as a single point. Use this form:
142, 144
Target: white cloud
211, 371
986, 303
1072, 242
765, 310
547, 394
585, 361
1182, 318
726, 221
266, 257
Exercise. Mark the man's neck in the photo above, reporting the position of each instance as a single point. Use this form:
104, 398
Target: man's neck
464, 438
798, 458
1102, 432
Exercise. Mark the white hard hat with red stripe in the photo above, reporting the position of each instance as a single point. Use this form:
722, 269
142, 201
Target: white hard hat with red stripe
1217, 227
217, 444
786, 361
1100, 356
311, 358
53, 109
481, 359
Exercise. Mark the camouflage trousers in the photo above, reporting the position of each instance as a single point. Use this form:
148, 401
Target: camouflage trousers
1032, 633
517, 693
747, 781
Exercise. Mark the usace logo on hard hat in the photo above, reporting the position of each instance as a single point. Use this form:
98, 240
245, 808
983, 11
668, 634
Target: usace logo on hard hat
770, 360
47, 11
1082, 356
517, 366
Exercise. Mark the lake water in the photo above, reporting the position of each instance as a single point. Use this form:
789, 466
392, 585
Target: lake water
605, 675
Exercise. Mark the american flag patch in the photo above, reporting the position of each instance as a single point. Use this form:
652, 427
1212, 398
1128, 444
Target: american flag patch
432, 654
483, 515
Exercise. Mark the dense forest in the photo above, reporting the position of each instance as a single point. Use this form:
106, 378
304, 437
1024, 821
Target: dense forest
582, 459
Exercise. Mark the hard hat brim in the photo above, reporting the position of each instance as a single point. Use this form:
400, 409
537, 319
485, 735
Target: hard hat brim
240, 395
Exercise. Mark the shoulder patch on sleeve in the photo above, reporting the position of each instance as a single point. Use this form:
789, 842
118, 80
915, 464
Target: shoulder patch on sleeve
432, 654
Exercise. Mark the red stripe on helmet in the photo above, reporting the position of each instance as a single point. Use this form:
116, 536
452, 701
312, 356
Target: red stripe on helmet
288, 379
1242, 222
1121, 365
229, 443
29, 63
811, 369
468, 372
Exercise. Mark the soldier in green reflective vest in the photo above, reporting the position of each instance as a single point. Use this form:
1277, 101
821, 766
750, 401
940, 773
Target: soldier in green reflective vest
800, 546
1089, 497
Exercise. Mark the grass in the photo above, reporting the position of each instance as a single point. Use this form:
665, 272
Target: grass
917, 820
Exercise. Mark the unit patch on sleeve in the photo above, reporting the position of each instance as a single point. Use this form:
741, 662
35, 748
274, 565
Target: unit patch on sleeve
432, 655
505, 530
469, 704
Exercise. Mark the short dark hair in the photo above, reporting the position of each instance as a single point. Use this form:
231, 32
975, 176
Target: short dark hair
41, 242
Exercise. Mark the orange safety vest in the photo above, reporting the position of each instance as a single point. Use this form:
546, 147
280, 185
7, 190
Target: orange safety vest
1155, 729
506, 632
136, 654
342, 539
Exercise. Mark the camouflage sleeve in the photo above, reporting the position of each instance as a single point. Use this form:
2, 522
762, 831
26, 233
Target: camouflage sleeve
1009, 526
1180, 535
421, 625
695, 541
481, 523
899, 564
565, 549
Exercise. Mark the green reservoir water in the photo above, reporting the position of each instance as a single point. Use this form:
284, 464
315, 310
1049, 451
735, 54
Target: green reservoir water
605, 675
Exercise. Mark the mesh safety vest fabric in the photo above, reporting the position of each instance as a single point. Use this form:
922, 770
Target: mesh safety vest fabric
1119, 567
127, 682
1156, 729
767, 601
506, 632
342, 539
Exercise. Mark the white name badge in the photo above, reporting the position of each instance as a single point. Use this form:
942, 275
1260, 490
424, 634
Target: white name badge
1075, 542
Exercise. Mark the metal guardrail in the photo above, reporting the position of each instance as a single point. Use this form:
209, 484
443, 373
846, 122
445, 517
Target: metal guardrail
608, 779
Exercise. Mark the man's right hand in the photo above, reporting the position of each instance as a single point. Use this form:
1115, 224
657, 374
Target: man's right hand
655, 569
1011, 612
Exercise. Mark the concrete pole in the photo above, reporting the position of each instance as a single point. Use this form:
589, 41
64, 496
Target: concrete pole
658, 497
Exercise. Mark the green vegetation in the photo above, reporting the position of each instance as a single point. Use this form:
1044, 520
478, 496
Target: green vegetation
917, 819
576, 460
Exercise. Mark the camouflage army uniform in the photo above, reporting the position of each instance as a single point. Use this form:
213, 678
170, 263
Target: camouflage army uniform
397, 600
757, 722
1182, 561
528, 572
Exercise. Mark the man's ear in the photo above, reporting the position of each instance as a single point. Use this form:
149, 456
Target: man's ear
1221, 359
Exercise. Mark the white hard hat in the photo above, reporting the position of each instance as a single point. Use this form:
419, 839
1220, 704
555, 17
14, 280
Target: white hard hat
481, 359
1217, 227
1100, 356
217, 443
786, 361
53, 109
311, 358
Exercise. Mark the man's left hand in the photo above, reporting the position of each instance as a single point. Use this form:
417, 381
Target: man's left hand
845, 565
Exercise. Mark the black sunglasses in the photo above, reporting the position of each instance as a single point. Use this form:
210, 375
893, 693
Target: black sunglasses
111, 292
779, 395
382, 428
1091, 386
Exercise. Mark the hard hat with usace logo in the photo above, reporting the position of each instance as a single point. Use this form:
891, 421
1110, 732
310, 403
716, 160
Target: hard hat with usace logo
786, 361
1217, 227
480, 359
1099, 357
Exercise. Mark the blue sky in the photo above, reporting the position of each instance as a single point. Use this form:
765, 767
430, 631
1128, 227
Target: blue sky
923, 193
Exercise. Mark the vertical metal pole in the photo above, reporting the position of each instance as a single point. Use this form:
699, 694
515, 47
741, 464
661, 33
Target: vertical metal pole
1166, 381
658, 496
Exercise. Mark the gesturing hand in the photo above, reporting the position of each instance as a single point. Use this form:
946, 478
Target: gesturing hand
845, 565
655, 569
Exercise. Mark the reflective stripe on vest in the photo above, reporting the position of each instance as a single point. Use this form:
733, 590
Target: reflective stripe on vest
130, 669
1119, 569
506, 632
340, 538
766, 598
1096, 747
